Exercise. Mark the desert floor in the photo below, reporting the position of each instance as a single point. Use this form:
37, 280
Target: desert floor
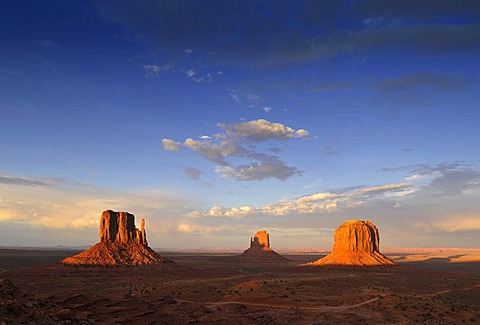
430, 288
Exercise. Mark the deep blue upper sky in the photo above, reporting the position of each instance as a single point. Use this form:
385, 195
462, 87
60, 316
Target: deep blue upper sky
304, 113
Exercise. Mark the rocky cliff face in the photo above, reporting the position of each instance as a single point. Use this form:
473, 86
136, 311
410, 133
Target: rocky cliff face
356, 242
260, 239
121, 243
356, 236
120, 227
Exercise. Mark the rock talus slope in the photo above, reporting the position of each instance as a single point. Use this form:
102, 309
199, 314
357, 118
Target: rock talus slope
121, 243
356, 242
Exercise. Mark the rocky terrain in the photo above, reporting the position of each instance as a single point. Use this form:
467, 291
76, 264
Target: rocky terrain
121, 244
204, 289
260, 251
356, 242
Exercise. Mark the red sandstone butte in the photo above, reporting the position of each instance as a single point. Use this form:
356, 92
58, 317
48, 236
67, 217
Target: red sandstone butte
356, 242
260, 251
121, 243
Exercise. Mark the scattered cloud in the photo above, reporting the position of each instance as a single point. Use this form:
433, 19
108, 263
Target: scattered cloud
316, 203
171, 145
261, 130
153, 70
258, 171
206, 78
456, 182
239, 141
448, 178
190, 73
193, 173
188, 51
234, 95
215, 152
267, 109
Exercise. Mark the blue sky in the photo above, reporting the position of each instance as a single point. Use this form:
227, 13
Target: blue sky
213, 119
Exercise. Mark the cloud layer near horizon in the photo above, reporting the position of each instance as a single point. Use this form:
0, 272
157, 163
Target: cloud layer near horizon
417, 207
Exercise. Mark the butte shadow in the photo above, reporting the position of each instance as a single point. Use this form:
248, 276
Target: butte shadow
121, 244
356, 243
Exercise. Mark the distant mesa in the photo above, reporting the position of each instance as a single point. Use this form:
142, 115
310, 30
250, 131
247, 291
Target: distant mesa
260, 251
356, 242
121, 243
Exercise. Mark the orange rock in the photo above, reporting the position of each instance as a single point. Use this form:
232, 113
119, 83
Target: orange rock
356, 242
117, 227
260, 239
121, 243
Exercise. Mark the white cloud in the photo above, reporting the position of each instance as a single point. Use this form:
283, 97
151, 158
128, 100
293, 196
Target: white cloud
216, 152
386, 188
261, 130
206, 78
188, 51
301, 133
151, 70
234, 95
239, 141
191, 73
316, 203
267, 109
170, 145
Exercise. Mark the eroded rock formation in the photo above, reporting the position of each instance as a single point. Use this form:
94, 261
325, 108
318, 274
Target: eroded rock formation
120, 227
260, 239
356, 242
121, 243
260, 251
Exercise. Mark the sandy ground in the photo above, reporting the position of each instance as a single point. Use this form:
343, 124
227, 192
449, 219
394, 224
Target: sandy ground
436, 287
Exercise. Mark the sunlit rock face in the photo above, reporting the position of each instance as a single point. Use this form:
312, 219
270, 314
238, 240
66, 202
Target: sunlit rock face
356, 242
120, 227
121, 243
260, 251
260, 239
